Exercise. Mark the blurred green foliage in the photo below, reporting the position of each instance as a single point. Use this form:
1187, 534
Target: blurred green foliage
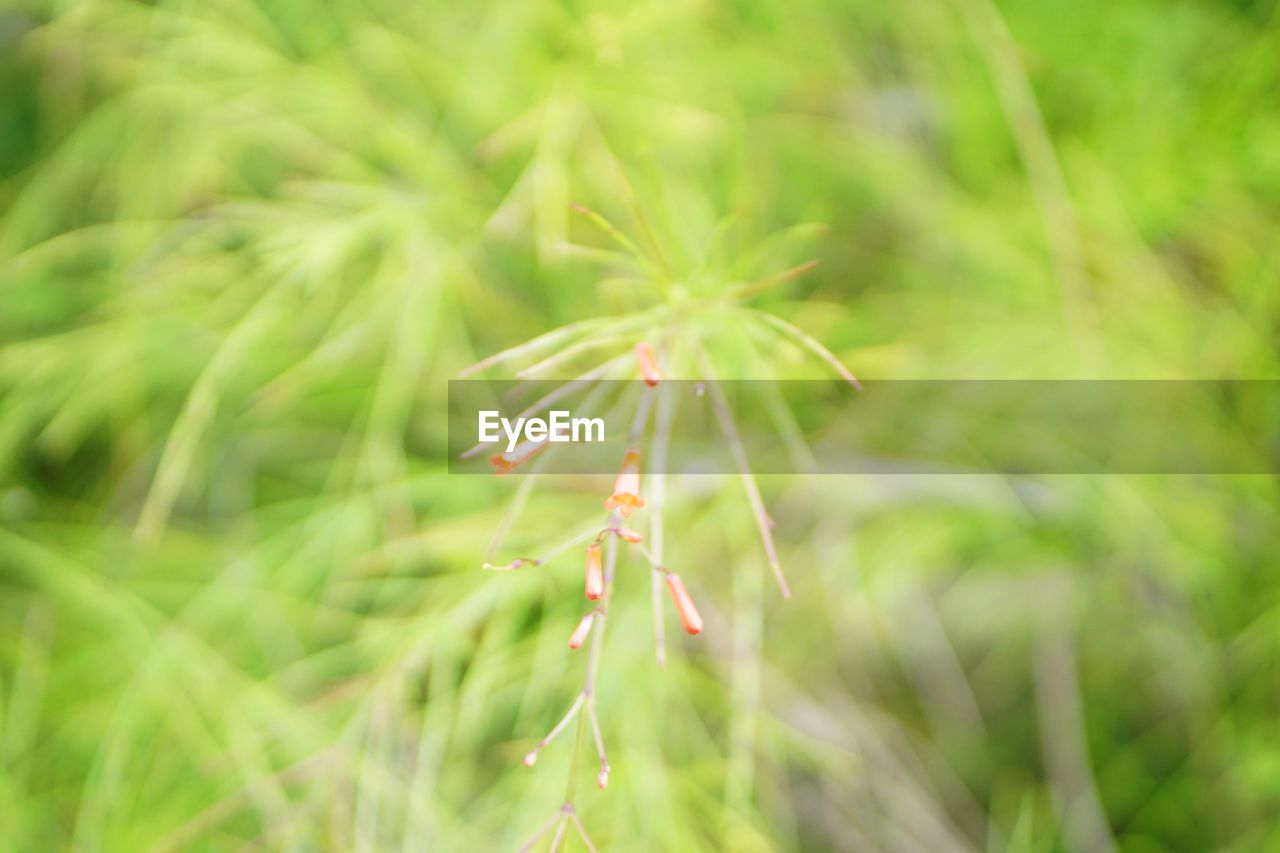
245, 242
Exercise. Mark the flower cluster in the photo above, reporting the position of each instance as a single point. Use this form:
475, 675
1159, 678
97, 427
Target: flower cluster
600, 560
627, 497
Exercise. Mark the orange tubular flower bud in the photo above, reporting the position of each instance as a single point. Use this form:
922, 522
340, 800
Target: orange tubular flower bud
626, 488
580, 633
685, 609
648, 364
602, 778
628, 535
595, 574
503, 463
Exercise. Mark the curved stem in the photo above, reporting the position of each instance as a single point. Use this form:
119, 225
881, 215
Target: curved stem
739, 453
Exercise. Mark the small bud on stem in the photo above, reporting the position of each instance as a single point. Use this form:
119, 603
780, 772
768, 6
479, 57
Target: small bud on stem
580, 633
628, 535
504, 463
648, 364
685, 608
595, 573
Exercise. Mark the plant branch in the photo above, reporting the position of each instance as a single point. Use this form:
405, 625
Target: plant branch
739, 453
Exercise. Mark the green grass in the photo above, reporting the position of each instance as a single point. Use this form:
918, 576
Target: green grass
245, 244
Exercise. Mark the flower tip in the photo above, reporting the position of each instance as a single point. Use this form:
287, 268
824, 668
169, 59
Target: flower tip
628, 535
595, 573
531, 759
602, 778
690, 618
580, 633
648, 364
504, 463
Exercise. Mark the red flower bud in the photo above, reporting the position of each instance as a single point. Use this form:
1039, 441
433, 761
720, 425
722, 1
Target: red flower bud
503, 463
595, 573
648, 364
685, 609
580, 633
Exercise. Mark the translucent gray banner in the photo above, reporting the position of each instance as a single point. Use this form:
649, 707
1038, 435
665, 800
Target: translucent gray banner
822, 427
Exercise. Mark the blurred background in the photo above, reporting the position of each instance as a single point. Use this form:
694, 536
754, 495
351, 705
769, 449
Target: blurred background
245, 243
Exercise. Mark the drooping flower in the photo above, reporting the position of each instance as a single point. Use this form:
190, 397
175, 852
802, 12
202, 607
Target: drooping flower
580, 633
602, 778
626, 535
626, 488
595, 572
648, 364
685, 608
503, 463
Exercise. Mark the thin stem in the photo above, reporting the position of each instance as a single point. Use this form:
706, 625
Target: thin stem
559, 727
739, 453
582, 831
555, 842
534, 344
543, 830
657, 502
621, 239
641, 220
650, 556
595, 731
642, 416
773, 280
568, 353
519, 562
780, 411
551, 399
807, 341
1043, 166
571, 786
527, 485
659, 629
